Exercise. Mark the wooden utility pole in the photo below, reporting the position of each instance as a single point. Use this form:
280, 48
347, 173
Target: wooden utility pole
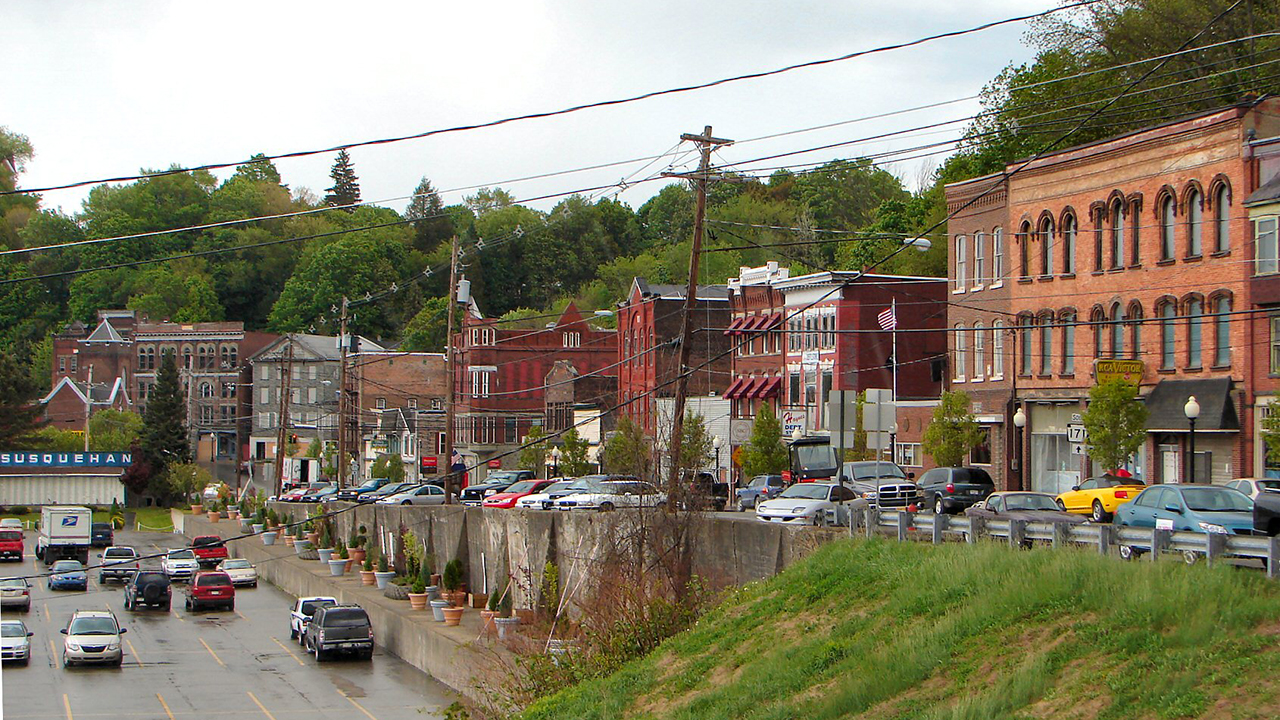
705, 143
342, 395
282, 432
450, 413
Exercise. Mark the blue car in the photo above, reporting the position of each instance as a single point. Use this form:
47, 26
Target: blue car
761, 487
1187, 508
68, 575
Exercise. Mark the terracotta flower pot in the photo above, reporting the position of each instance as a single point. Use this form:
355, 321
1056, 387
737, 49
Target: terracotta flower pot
456, 598
366, 577
486, 620
435, 579
314, 538
213, 516
453, 615
197, 509
288, 540
478, 601
418, 601
358, 555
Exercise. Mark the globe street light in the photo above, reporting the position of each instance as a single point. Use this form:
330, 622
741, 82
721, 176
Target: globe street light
1019, 422
1192, 411
555, 461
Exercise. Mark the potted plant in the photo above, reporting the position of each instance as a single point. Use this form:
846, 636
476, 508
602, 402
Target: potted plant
259, 521
357, 545
437, 609
453, 615
418, 595
326, 545
300, 544
478, 600
382, 576
213, 515
268, 537
488, 614
273, 519
453, 583
429, 561
366, 571
290, 535
505, 622
338, 565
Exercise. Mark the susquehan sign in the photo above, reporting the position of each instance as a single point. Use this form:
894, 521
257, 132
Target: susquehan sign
65, 459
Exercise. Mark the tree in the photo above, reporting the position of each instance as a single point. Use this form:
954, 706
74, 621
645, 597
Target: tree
573, 455
1116, 422
695, 444
487, 200
431, 224
534, 456
164, 428
426, 331
114, 430
389, 467
346, 186
19, 413
765, 453
629, 451
185, 479
52, 439
952, 432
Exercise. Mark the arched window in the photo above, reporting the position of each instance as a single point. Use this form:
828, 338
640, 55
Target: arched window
997, 255
962, 356
1046, 246
1135, 330
1195, 224
1069, 245
1222, 331
1068, 322
1117, 331
142, 358
1135, 230
202, 357
1222, 219
1024, 343
206, 390
186, 356
1166, 227
979, 351
997, 349
1046, 344
1117, 233
1168, 313
1098, 213
1024, 252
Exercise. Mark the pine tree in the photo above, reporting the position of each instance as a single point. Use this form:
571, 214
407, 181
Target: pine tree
431, 226
346, 186
19, 413
765, 454
164, 429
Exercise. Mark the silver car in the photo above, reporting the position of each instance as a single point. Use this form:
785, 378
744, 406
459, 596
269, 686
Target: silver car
420, 495
15, 641
15, 592
93, 636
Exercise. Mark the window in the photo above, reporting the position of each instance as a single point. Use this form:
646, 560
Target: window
202, 357
572, 339
1167, 315
206, 390
1097, 321
1024, 257
1135, 323
264, 396
1195, 317
1275, 344
793, 392
962, 262
228, 390
1117, 234
437, 403
264, 422
979, 351
979, 258
1024, 339
1166, 228
1222, 219
75, 363
981, 453
1117, 331
1268, 254
62, 363
206, 414
479, 384
311, 395
997, 350
1069, 344
1069, 245
1097, 213
1222, 332
1135, 235
908, 454
295, 395
266, 373
1194, 223
1046, 246
1046, 344
411, 403
997, 256
962, 357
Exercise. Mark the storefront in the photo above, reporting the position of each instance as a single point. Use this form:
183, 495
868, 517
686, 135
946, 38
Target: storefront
1055, 462
1216, 436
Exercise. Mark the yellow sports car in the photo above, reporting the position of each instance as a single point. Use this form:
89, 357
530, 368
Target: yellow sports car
1099, 497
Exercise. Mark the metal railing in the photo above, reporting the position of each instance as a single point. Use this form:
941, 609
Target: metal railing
1213, 547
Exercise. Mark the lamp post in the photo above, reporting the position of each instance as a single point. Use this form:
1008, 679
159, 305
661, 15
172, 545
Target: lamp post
715, 445
555, 461
1019, 422
893, 442
1192, 411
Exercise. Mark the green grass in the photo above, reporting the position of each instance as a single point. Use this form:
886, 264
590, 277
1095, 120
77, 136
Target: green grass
885, 630
152, 517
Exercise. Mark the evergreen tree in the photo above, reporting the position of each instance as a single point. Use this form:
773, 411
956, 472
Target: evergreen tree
346, 186
534, 457
19, 412
431, 225
765, 454
164, 428
573, 457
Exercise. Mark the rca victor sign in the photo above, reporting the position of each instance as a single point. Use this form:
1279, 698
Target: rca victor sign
1113, 369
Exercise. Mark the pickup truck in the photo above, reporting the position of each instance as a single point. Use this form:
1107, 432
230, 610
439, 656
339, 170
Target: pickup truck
303, 609
209, 549
339, 628
1266, 513
119, 562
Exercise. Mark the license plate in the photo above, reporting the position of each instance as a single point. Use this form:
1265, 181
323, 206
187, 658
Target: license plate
215, 592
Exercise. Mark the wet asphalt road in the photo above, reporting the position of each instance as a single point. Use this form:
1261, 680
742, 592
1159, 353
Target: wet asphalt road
220, 664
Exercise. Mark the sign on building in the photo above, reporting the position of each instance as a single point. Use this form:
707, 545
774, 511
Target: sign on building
740, 431
1105, 370
23, 459
792, 419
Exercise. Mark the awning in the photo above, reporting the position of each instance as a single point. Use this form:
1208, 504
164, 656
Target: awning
750, 324
768, 388
734, 326
1166, 400
735, 388
775, 320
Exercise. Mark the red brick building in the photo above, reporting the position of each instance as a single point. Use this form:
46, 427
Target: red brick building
756, 312
70, 402
1263, 207
402, 397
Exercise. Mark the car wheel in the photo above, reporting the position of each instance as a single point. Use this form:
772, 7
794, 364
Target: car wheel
293, 633
189, 605
1190, 557
742, 506
119, 660
820, 519
1099, 515
406, 502
27, 608
1128, 553
102, 579
166, 607
231, 607
1061, 505
938, 508
320, 656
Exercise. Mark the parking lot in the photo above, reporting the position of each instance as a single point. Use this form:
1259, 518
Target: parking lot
203, 665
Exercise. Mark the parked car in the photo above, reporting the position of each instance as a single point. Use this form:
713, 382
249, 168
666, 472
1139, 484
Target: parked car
339, 628
1189, 508
384, 491
209, 549
611, 495
101, 535
303, 609
68, 575
492, 485
212, 492
952, 489
509, 497
546, 499
118, 563
295, 494
240, 570
884, 484
809, 503
150, 588
11, 544
1029, 506
211, 588
352, 494
1253, 486
321, 494
93, 636
1098, 497
15, 592
416, 495
180, 564
11, 523
760, 487
15, 642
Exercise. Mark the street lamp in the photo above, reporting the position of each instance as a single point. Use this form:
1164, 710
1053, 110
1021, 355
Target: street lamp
1192, 411
893, 442
1019, 422
715, 445
555, 461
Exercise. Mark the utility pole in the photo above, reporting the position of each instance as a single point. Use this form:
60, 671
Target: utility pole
705, 143
450, 414
342, 395
88, 407
282, 432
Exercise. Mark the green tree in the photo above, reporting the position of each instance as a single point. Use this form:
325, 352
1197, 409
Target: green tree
487, 200
426, 331
19, 413
534, 456
389, 467
765, 453
164, 427
186, 480
115, 430
346, 186
695, 443
573, 454
52, 439
629, 451
351, 267
432, 226
40, 364
953, 431
1116, 421
15, 151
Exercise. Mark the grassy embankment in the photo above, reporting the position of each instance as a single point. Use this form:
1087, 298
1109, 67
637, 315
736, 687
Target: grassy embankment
885, 630
151, 517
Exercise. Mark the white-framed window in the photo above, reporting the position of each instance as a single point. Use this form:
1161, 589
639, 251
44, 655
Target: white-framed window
979, 259
1268, 251
997, 257
311, 372
997, 350
266, 372
1195, 223
264, 396
572, 339
908, 454
962, 355
264, 420
380, 403
295, 395
437, 403
480, 384
311, 395
979, 351
411, 403
1275, 344
962, 263
441, 439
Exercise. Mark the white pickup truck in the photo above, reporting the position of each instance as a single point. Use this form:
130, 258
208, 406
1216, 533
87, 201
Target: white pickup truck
64, 533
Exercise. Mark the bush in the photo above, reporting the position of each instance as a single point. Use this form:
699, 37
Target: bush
492, 605
20, 510
382, 563
453, 575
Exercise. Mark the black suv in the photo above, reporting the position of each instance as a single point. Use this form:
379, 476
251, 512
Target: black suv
952, 489
339, 628
147, 587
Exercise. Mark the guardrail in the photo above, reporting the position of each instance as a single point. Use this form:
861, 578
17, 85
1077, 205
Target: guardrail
1129, 542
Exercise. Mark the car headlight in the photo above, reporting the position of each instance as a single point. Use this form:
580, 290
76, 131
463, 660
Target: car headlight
73, 646
113, 647
798, 510
1212, 528
869, 495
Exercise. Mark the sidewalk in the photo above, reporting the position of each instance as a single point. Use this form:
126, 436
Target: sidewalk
456, 656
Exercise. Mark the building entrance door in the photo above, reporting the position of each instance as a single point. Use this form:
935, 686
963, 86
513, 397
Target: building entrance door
1170, 467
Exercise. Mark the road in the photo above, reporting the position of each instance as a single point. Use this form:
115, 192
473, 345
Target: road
204, 665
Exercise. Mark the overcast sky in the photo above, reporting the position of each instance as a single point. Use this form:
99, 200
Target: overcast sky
107, 88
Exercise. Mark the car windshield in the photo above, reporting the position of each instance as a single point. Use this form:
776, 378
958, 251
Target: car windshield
870, 471
182, 555
587, 484
392, 488
13, 629
212, 579
346, 618
1269, 484
309, 607
523, 486
13, 582
10, 535
368, 485
119, 553
151, 579
92, 626
101, 527
67, 566
502, 477
236, 564
207, 541
815, 458
1029, 502
557, 486
1212, 499
809, 491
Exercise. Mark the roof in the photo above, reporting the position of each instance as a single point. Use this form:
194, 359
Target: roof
836, 277
322, 347
1268, 192
97, 394
677, 292
1167, 398
105, 333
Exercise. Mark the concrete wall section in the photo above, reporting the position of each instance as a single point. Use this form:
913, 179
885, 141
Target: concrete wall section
60, 489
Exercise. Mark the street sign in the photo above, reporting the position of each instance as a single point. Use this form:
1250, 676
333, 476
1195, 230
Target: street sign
879, 413
1077, 449
842, 413
878, 440
739, 431
1076, 434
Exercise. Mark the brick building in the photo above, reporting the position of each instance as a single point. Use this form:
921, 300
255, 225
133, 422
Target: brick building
401, 399
756, 311
1263, 207
70, 402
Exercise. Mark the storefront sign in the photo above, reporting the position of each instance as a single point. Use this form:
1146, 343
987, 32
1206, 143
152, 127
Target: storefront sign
65, 459
429, 462
1128, 370
792, 419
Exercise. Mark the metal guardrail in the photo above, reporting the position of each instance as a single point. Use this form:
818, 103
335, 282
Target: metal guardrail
1106, 539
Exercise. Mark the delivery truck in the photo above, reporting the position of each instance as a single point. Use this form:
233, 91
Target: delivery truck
64, 533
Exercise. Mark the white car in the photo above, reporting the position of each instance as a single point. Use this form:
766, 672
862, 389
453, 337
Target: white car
11, 524
613, 494
546, 499
419, 495
211, 491
303, 609
241, 571
1253, 486
807, 504
93, 636
180, 564
15, 641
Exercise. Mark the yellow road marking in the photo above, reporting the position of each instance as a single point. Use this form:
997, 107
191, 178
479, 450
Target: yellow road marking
358, 705
47, 617
66, 703
211, 652
53, 650
282, 647
260, 706
165, 705
242, 617
175, 614
136, 657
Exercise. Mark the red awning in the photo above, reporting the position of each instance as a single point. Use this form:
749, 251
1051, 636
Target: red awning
735, 388
756, 323
734, 326
775, 320
769, 388
744, 390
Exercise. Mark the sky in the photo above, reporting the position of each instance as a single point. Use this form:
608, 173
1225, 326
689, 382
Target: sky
109, 88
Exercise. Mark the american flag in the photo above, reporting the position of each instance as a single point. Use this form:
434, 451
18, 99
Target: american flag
888, 319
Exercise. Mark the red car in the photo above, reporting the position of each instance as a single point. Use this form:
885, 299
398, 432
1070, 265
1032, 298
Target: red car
209, 549
210, 588
11, 544
507, 498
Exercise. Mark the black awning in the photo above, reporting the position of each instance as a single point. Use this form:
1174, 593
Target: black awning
1167, 398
